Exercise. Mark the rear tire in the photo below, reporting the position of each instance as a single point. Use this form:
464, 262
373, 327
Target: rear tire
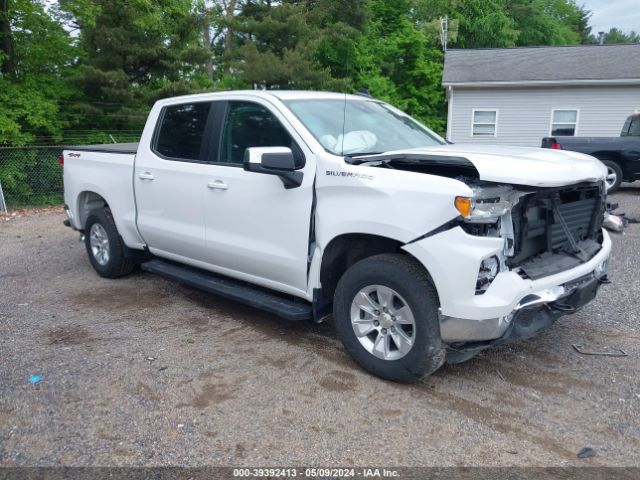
614, 175
392, 305
108, 254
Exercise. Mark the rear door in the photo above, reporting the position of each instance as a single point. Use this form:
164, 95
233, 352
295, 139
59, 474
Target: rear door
255, 228
170, 181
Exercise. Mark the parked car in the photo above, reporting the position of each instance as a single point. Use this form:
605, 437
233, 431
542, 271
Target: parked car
304, 203
621, 155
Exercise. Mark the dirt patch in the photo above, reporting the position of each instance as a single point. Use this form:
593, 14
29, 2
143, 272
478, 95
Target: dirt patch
198, 324
118, 298
390, 412
338, 381
500, 421
145, 391
71, 335
18, 213
213, 394
281, 362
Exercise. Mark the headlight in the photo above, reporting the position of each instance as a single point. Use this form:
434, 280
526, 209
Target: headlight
487, 204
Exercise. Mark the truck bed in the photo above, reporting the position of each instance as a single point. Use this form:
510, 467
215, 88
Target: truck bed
107, 172
129, 148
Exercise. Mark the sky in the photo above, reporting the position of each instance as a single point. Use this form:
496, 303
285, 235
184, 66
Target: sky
623, 14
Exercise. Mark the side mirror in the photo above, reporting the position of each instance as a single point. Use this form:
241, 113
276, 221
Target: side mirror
273, 161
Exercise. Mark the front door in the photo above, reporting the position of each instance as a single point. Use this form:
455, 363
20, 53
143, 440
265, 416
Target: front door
255, 228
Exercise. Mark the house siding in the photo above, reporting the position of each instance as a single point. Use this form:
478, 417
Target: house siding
524, 116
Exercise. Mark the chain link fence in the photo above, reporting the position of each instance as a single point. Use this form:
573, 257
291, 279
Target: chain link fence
30, 176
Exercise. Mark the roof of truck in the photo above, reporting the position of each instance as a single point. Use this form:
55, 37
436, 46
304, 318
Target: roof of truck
279, 94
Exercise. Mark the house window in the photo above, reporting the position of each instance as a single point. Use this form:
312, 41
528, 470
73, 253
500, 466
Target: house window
564, 123
484, 123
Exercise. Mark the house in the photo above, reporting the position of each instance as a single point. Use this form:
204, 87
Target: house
517, 96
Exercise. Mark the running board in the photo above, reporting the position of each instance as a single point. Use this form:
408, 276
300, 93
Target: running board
287, 307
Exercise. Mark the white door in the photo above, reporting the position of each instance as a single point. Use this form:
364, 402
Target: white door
170, 182
255, 227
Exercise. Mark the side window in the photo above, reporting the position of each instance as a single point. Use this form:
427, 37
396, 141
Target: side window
634, 129
181, 130
252, 125
626, 127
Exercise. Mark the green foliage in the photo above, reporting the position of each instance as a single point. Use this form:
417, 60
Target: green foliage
87, 71
286, 47
546, 22
32, 90
396, 64
134, 52
485, 23
31, 176
615, 35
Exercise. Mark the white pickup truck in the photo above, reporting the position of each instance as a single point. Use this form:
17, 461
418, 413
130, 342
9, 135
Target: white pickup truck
306, 204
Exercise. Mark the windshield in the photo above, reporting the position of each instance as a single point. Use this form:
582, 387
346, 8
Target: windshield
370, 126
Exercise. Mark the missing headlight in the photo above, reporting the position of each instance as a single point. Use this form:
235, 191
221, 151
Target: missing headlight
488, 270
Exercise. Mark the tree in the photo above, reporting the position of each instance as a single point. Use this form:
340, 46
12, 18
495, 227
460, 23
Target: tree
582, 25
615, 35
132, 53
484, 24
341, 23
36, 55
285, 46
7, 54
396, 64
545, 22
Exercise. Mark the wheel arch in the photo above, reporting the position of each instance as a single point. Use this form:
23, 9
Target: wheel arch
341, 253
87, 202
612, 156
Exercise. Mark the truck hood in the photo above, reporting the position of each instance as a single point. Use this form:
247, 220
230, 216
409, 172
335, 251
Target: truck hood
539, 167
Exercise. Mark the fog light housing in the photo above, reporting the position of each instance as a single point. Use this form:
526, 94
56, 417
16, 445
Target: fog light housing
601, 269
488, 270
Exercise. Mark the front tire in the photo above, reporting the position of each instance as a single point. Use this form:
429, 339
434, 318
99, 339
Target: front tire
108, 254
386, 315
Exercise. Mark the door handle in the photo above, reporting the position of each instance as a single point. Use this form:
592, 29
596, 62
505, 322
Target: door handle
218, 184
145, 176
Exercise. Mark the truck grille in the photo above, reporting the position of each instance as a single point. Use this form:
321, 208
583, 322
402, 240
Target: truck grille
557, 229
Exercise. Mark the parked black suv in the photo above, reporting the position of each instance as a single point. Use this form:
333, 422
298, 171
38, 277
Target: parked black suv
620, 154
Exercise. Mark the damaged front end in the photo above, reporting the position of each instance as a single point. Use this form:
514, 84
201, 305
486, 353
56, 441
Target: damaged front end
518, 256
546, 231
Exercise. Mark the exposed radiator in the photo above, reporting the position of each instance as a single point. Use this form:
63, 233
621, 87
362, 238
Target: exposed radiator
543, 222
578, 216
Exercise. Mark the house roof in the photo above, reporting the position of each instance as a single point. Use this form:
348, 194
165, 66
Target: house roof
580, 64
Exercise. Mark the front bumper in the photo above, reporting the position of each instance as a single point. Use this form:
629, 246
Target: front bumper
529, 320
453, 258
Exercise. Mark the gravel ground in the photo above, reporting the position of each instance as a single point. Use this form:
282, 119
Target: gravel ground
143, 371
